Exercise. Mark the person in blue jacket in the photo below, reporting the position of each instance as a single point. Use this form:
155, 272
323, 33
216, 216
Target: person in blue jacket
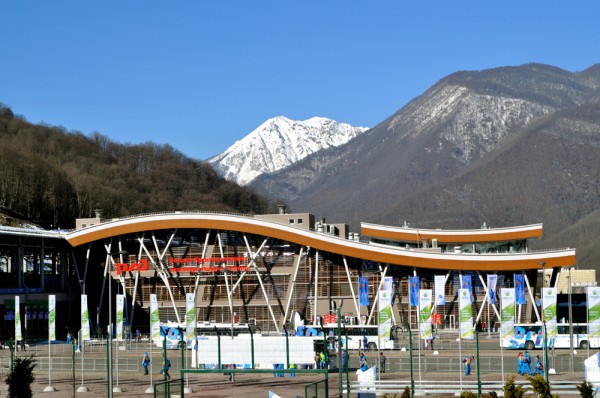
539, 366
527, 364
363, 363
467, 362
145, 362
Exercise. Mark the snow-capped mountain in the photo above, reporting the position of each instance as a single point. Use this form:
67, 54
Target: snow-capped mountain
278, 143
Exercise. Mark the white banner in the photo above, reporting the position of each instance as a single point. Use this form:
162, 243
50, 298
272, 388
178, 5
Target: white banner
190, 312
593, 296
154, 319
465, 314
385, 313
18, 332
120, 311
425, 307
51, 317
549, 311
85, 319
388, 284
492, 281
440, 289
507, 312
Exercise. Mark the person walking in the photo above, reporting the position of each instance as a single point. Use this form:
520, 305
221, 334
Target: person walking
323, 359
467, 362
520, 363
365, 343
382, 359
539, 366
527, 363
363, 363
165, 368
145, 362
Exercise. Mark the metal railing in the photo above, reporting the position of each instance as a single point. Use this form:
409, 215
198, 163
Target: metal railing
453, 386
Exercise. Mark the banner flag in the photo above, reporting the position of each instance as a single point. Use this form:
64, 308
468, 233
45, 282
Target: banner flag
465, 314
190, 311
120, 311
492, 281
440, 289
593, 296
85, 319
363, 289
425, 307
467, 284
154, 319
388, 284
414, 290
385, 313
520, 289
549, 311
18, 333
507, 312
51, 317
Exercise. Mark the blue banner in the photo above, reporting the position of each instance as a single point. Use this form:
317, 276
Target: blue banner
363, 291
414, 290
492, 281
466, 283
520, 289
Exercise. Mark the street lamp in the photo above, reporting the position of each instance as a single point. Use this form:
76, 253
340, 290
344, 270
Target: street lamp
570, 316
543, 264
120, 253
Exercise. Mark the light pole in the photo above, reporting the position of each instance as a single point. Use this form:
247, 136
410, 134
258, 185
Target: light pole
109, 349
570, 318
109, 329
547, 370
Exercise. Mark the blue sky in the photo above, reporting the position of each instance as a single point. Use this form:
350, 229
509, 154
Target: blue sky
199, 75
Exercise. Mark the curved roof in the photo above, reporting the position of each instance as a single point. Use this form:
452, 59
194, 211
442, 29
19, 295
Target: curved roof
329, 243
483, 235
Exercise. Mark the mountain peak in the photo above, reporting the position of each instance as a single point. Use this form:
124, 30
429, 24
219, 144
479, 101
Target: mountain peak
278, 143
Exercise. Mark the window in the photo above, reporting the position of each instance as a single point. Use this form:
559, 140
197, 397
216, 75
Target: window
299, 221
291, 220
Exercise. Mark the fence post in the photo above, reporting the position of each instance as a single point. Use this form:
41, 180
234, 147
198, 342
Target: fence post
410, 349
477, 359
218, 346
287, 348
251, 345
183, 348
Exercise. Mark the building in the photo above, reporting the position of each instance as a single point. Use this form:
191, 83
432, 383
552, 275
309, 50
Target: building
263, 269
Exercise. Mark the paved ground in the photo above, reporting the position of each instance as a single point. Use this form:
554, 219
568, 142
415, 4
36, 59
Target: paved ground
134, 384
218, 385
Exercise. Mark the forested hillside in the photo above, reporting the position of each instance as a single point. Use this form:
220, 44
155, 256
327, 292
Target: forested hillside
51, 176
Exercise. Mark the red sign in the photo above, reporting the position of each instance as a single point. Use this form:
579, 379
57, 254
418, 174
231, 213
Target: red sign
201, 260
212, 269
142, 265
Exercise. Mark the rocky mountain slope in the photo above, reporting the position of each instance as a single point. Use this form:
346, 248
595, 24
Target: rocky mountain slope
278, 143
508, 146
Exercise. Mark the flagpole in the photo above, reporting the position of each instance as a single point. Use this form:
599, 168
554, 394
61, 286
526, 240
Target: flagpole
51, 316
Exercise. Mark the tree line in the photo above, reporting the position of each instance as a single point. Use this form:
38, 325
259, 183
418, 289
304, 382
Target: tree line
52, 176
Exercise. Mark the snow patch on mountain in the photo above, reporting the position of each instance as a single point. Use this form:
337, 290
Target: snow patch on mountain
278, 143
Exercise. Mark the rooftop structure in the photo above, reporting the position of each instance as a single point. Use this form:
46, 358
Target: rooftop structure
266, 268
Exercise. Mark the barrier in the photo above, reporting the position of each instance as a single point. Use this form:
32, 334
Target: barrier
454, 387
